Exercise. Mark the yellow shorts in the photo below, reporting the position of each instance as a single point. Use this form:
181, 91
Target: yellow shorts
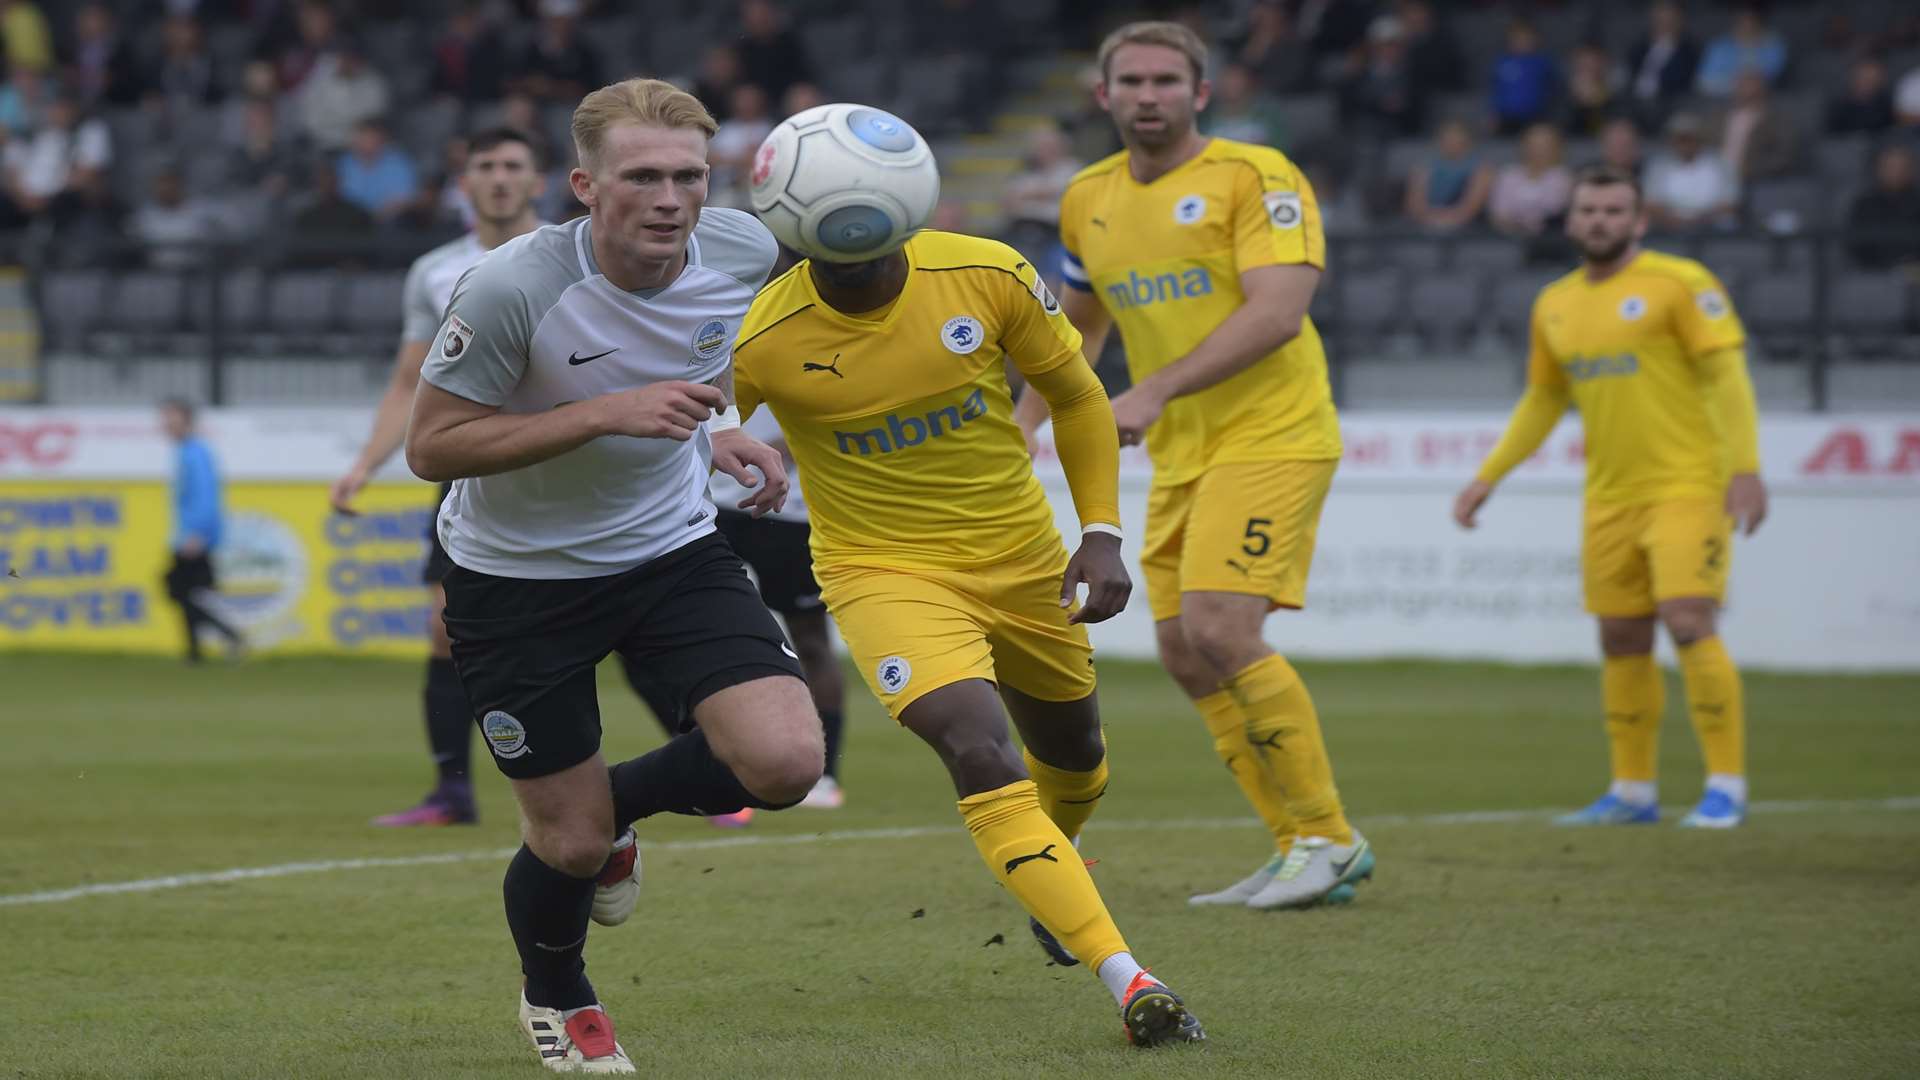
1639, 554
1239, 528
914, 631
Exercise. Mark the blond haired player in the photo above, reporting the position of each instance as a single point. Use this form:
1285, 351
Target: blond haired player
1206, 253
937, 555
1649, 349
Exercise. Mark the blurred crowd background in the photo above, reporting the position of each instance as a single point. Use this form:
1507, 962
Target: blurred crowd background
217, 198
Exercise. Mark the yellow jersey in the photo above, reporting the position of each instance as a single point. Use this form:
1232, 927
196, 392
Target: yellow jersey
1626, 350
902, 427
1165, 260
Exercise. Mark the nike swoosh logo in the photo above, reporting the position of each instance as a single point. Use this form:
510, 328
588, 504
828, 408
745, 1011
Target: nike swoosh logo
788, 649
576, 359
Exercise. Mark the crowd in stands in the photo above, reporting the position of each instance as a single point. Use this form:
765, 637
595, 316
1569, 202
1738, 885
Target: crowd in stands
318, 118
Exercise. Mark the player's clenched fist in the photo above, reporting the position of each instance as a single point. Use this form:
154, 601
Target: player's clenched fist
665, 410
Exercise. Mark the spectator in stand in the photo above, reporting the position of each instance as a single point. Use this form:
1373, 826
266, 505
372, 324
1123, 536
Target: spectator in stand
800, 97
1269, 47
771, 55
1758, 140
1593, 91
376, 175
557, 67
1377, 94
1433, 56
1751, 45
730, 151
1906, 100
104, 71
58, 172
23, 101
1031, 198
1342, 210
342, 92
317, 35
1531, 194
1884, 222
1525, 81
328, 222
1867, 106
170, 225
1241, 111
261, 156
1662, 66
719, 74
1448, 191
1333, 27
29, 43
469, 59
184, 77
1620, 148
1687, 187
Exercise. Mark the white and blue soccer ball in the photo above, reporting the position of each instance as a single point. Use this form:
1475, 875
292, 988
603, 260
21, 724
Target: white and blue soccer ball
844, 183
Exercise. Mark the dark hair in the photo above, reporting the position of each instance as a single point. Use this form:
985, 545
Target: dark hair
180, 405
482, 141
1608, 176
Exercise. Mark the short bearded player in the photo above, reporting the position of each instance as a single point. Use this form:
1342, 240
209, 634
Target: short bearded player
1648, 347
936, 551
571, 397
1206, 253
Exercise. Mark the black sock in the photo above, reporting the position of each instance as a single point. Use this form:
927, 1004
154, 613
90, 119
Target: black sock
547, 912
189, 613
449, 720
832, 720
682, 777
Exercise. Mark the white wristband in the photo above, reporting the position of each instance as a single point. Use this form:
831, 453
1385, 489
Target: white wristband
726, 419
1103, 527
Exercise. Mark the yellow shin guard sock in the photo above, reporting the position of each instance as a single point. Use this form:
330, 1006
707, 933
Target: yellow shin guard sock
1069, 798
1038, 865
1285, 730
1634, 697
1229, 730
1718, 706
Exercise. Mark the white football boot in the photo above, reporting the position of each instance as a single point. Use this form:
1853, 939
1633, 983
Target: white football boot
617, 888
574, 1041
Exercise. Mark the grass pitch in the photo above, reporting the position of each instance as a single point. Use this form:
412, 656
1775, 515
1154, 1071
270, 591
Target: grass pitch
871, 942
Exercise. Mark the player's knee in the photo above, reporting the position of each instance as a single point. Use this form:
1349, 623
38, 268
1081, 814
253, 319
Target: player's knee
1193, 673
1222, 646
1626, 637
781, 772
1688, 621
576, 852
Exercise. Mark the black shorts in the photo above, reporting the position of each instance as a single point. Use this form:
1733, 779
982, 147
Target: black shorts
780, 557
438, 561
526, 649
189, 574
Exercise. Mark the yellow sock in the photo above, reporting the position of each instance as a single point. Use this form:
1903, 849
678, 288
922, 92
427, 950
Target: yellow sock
1069, 798
1634, 697
1284, 729
1038, 865
1718, 706
1229, 730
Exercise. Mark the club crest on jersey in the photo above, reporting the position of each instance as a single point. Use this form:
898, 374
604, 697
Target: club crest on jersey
710, 340
893, 674
459, 336
1283, 208
506, 736
1632, 308
1045, 295
1713, 303
962, 334
1189, 210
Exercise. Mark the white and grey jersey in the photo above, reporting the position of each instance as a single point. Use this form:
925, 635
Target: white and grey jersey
535, 325
429, 286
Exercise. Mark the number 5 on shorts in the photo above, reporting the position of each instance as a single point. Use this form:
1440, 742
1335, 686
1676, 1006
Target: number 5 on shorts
1256, 534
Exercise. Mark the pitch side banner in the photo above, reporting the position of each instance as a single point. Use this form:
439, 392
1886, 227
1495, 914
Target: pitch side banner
1832, 581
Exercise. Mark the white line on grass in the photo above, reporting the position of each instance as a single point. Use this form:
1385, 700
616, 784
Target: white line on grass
328, 866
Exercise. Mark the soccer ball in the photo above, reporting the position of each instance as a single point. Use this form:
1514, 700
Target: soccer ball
844, 183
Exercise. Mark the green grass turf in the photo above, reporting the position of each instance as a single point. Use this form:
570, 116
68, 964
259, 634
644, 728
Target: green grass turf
1787, 948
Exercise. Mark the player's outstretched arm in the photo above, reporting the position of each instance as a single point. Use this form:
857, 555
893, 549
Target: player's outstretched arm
1540, 408
1731, 402
389, 425
1273, 314
451, 437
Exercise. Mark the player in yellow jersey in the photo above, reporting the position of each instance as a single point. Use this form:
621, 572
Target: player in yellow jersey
937, 555
1649, 349
1206, 253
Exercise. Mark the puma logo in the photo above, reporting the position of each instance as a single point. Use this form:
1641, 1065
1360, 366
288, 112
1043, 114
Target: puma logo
1244, 571
1101, 222
833, 367
1021, 860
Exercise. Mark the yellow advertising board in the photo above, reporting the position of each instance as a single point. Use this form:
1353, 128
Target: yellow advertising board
84, 561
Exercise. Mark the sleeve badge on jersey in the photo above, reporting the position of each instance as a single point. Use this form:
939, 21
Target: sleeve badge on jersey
1045, 295
458, 336
1713, 303
1283, 208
